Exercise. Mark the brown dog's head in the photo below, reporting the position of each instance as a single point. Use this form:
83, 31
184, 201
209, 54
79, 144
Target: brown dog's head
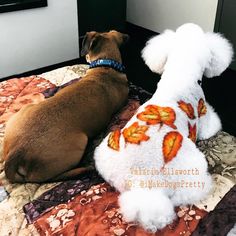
103, 45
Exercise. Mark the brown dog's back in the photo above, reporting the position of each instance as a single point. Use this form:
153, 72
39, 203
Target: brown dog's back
47, 140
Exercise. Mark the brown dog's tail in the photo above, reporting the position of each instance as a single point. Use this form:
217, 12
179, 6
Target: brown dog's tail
14, 167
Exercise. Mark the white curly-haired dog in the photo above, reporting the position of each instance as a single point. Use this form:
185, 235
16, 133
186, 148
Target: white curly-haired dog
153, 161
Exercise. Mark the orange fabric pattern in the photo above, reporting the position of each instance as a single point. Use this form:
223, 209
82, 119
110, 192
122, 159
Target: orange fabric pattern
96, 212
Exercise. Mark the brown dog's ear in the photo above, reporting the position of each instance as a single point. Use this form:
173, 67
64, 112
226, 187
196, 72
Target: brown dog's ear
125, 38
90, 42
86, 43
120, 38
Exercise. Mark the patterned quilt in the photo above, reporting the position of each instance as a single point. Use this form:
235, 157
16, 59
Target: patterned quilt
88, 206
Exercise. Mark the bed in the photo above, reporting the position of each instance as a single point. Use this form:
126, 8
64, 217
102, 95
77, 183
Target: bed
88, 206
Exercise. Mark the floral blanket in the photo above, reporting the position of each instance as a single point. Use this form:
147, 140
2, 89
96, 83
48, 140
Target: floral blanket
88, 206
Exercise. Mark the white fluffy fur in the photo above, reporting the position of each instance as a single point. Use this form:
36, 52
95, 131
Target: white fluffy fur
182, 56
157, 211
209, 124
164, 42
222, 53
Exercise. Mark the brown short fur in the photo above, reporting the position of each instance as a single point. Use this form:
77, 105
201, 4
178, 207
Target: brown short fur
46, 141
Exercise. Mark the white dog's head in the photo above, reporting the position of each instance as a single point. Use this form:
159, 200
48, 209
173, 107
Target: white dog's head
211, 52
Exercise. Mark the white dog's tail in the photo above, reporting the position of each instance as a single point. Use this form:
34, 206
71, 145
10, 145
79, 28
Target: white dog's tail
150, 207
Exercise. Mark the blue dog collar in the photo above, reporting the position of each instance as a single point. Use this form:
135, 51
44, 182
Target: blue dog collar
108, 63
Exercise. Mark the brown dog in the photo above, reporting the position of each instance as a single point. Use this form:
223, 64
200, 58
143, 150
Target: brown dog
46, 141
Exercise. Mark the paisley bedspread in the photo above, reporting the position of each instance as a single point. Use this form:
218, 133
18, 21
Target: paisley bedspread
87, 206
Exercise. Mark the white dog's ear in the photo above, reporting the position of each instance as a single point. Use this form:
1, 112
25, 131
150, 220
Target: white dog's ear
221, 54
156, 51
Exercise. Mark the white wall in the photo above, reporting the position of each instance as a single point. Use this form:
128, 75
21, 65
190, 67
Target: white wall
35, 38
158, 15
